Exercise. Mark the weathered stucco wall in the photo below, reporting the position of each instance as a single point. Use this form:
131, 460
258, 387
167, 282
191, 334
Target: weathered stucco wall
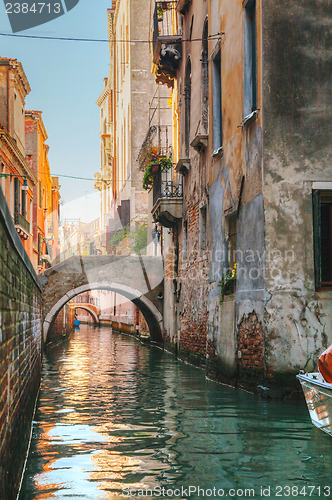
258, 190
20, 352
297, 151
235, 200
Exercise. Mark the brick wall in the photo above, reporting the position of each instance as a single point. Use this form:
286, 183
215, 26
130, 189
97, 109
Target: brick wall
192, 291
20, 352
250, 347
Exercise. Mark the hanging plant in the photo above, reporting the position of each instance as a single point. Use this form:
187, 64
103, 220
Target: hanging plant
162, 164
160, 12
148, 177
227, 283
150, 154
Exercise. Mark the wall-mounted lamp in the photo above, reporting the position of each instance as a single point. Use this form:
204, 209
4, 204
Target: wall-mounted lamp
156, 234
25, 186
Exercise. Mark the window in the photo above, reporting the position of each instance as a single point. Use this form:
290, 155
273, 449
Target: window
17, 195
24, 204
11, 195
231, 240
205, 79
250, 58
187, 107
39, 194
184, 240
322, 213
40, 248
202, 229
3, 179
217, 99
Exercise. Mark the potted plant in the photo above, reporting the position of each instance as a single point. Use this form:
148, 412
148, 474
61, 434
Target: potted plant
227, 283
162, 164
160, 11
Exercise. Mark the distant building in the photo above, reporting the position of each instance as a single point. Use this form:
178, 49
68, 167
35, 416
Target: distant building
17, 178
80, 238
124, 113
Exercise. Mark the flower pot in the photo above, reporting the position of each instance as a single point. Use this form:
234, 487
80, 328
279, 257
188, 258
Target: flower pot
155, 169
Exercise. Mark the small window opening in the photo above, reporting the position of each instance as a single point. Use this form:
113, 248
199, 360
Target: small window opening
185, 240
187, 98
202, 229
217, 100
322, 213
205, 79
17, 196
250, 58
232, 229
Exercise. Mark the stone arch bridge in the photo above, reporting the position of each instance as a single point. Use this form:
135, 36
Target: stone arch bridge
138, 278
93, 310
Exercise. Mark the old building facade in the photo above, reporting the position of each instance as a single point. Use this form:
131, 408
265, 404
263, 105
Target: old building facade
124, 111
16, 177
248, 267
31, 193
46, 196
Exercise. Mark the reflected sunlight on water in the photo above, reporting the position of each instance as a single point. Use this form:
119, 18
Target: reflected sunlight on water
114, 414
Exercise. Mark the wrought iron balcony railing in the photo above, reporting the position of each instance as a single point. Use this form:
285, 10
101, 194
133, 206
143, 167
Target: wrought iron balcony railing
167, 49
163, 20
167, 185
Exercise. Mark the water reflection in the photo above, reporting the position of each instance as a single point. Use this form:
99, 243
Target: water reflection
114, 414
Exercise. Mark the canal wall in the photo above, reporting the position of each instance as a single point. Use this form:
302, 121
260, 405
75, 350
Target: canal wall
20, 352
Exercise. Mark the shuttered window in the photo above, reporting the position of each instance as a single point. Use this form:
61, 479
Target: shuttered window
17, 196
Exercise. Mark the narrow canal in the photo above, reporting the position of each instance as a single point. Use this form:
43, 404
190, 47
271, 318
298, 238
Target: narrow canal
115, 416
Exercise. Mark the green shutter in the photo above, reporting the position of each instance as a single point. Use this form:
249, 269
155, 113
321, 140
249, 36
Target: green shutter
317, 237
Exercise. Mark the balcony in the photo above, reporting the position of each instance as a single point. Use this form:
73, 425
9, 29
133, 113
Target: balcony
157, 143
22, 226
167, 47
167, 198
103, 179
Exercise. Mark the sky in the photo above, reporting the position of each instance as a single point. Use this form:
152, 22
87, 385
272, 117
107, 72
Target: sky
66, 78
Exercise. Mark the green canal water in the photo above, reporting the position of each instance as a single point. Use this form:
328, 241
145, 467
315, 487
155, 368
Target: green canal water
116, 419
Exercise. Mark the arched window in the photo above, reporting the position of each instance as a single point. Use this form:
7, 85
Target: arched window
187, 104
205, 79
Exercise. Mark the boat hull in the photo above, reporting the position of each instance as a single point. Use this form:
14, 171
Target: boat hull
318, 396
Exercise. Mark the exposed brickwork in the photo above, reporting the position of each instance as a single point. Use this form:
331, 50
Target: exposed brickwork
193, 336
20, 353
62, 326
251, 345
211, 350
192, 290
